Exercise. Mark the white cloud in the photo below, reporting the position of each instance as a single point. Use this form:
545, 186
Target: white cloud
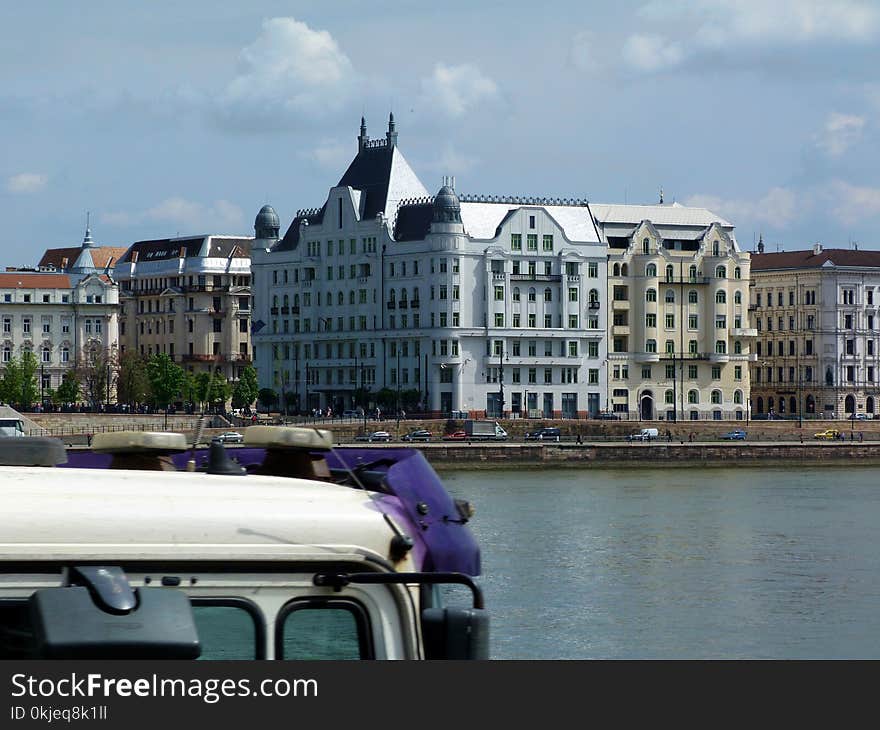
188, 215
290, 71
26, 182
723, 27
841, 131
651, 53
331, 154
452, 162
852, 204
456, 90
777, 208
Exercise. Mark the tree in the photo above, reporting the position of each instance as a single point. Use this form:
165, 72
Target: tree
132, 382
249, 389
202, 382
218, 391
267, 397
19, 384
387, 399
10, 385
166, 378
95, 366
68, 391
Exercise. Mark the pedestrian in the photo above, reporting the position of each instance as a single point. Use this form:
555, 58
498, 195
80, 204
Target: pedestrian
861, 437
580, 440
668, 436
691, 437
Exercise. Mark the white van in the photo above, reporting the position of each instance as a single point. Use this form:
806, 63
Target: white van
120, 562
646, 434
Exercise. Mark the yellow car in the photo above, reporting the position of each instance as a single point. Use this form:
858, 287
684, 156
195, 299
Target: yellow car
831, 434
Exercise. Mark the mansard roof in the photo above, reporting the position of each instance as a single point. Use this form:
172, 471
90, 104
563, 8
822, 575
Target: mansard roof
194, 246
808, 259
101, 256
673, 214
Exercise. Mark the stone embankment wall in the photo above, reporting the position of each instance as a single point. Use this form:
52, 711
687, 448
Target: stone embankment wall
783, 454
58, 424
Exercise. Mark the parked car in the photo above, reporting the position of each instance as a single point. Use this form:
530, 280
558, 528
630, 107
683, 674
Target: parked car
375, 436
736, 435
352, 414
544, 434
455, 436
861, 416
230, 437
419, 434
646, 434
829, 434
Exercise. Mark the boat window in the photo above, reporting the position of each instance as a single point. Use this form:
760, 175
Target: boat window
322, 629
16, 631
229, 628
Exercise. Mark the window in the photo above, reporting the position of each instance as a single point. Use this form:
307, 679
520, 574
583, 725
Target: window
593, 376
693, 396
670, 321
669, 297
532, 294
499, 319
720, 347
651, 295
573, 348
217, 619
499, 293
572, 321
323, 629
593, 270
516, 242
720, 272
531, 241
573, 293
693, 321
650, 319
693, 372
548, 295
720, 297
547, 244
651, 346
651, 270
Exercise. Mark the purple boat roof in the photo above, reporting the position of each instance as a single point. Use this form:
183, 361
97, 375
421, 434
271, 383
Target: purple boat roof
430, 513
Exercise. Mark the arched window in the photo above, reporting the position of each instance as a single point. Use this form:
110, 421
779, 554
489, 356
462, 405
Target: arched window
737, 273
670, 272
296, 300
286, 300
651, 295
720, 347
403, 299
651, 270
693, 298
340, 299
646, 247
760, 405
721, 272
616, 270
716, 249
670, 296
669, 396
670, 347
721, 297
716, 397
693, 396
532, 294
651, 346
737, 347
737, 297
548, 294
738, 397
829, 376
624, 270
692, 272
274, 300
516, 293
351, 296
594, 296
392, 296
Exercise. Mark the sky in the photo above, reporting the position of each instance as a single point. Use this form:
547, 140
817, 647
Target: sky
174, 118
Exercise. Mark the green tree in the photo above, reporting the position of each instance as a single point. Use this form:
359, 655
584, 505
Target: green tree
10, 385
250, 388
29, 389
267, 397
218, 391
95, 373
202, 388
165, 380
387, 399
132, 382
68, 391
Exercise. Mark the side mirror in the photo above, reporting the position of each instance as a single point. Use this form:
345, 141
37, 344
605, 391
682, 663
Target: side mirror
106, 619
455, 633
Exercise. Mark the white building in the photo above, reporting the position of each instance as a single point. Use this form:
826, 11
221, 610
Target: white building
817, 313
481, 304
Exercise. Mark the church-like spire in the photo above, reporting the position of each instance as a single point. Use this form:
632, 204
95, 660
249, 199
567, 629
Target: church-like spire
362, 137
391, 136
87, 239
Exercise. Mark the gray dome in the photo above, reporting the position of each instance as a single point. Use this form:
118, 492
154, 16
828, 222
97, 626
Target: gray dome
267, 223
447, 208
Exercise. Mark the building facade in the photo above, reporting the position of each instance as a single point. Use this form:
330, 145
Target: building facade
680, 341
482, 304
65, 311
817, 313
189, 298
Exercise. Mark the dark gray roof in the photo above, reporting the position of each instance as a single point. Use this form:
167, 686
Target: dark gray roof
291, 238
413, 221
169, 248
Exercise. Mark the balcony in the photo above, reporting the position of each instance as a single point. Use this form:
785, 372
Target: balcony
392, 305
620, 329
594, 305
646, 357
193, 357
719, 357
273, 310
414, 304
285, 310
620, 303
294, 309
686, 280
744, 332
498, 275
536, 277
402, 305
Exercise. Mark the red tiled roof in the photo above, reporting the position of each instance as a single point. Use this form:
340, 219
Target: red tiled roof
27, 280
808, 260
101, 256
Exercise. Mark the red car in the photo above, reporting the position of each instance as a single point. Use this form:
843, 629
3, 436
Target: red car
455, 436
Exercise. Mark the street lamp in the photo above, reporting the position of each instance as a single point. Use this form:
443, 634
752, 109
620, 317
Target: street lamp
501, 383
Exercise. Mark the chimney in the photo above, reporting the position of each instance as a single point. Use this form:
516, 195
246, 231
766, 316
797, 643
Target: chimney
182, 252
817, 249
64, 262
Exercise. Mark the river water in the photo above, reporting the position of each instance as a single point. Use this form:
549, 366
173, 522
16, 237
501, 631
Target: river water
679, 563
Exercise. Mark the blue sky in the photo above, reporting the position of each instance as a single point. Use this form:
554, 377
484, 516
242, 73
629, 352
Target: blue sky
168, 118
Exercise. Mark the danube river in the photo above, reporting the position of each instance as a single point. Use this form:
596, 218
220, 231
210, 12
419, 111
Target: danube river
679, 563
